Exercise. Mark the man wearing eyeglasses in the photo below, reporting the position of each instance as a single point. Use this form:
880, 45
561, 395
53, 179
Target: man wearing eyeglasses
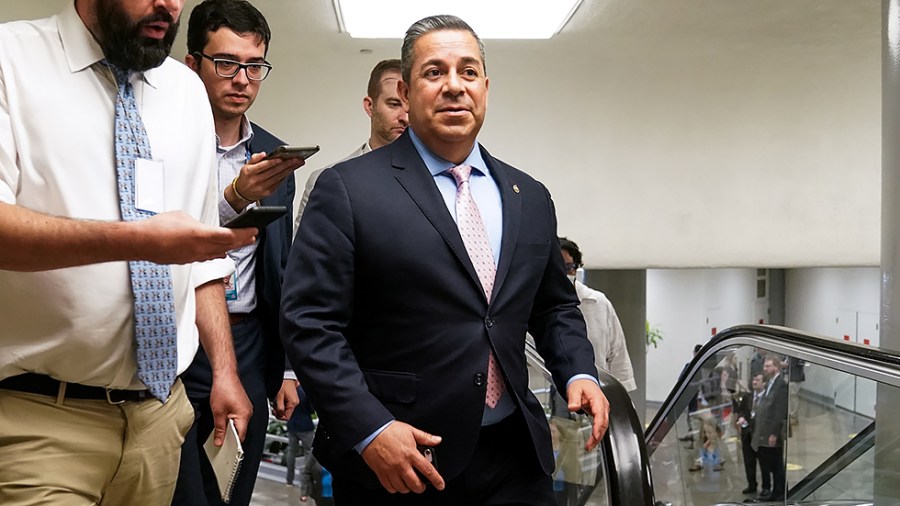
227, 44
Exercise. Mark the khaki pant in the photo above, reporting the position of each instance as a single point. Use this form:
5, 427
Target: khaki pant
89, 452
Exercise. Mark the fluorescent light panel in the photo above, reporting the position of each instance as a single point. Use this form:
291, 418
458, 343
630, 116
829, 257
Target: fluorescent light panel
491, 19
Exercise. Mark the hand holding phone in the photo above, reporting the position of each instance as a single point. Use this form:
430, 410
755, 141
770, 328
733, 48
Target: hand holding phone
257, 217
429, 453
287, 152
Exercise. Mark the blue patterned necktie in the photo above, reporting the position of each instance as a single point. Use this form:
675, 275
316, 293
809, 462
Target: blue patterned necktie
155, 331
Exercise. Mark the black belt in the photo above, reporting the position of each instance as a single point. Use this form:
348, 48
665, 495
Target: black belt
45, 385
235, 318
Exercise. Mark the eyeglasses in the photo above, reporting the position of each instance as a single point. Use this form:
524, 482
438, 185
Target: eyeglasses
230, 68
571, 267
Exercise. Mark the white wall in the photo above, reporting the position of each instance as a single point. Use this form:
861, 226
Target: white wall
685, 304
672, 134
836, 303
823, 300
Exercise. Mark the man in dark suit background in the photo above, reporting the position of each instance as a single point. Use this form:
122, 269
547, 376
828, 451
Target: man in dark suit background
407, 329
745, 405
770, 426
227, 45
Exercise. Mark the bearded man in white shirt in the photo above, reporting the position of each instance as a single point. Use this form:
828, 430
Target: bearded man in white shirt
92, 414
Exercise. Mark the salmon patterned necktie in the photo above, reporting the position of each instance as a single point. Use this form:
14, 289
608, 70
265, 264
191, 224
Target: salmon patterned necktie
474, 236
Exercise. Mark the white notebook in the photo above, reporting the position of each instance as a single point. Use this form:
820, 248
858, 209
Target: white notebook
225, 459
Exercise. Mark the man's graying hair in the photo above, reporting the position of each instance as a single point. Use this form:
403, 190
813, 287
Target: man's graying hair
428, 25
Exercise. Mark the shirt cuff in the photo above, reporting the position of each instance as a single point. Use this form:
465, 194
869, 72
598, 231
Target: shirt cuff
365, 442
289, 374
581, 377
204, 272
227, 213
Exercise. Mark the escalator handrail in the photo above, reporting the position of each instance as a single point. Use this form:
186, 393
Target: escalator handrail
626, 463
863, 361
839, 460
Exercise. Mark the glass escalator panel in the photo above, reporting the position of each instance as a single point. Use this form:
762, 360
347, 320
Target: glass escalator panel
578, 478
777, 423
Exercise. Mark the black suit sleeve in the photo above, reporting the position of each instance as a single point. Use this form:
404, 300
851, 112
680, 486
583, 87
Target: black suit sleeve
556, 323
271, 258
317, 307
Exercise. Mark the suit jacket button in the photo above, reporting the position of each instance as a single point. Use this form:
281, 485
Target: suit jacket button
479, 379
489, 322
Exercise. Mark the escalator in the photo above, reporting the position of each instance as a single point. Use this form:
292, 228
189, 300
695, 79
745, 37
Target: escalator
829, 447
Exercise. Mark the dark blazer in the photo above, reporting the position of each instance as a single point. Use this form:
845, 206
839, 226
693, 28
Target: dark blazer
384, 316
742, 405
271, 258
771, 414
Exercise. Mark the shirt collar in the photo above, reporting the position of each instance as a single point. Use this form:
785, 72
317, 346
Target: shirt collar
80, 47
245, 139
437, 165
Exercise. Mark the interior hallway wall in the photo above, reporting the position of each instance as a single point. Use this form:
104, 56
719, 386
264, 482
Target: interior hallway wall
688, 306
824, 300
677, 134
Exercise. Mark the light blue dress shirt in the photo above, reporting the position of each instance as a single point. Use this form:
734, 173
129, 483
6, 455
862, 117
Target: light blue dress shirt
481, 183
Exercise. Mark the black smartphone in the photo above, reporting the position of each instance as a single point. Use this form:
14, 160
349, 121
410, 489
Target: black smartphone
257, 217
285, 152
429, 453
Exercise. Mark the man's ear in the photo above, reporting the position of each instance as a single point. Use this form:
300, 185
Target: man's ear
368, 105
403, 91
192, 63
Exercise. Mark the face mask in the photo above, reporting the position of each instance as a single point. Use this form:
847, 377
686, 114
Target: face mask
571, 278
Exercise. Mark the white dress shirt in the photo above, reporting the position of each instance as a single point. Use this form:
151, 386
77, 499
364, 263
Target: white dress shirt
605, 333
57, 110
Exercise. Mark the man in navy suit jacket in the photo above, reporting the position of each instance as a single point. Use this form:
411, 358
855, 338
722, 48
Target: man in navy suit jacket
388, 325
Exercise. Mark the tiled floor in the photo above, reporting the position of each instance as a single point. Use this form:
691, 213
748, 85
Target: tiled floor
270, 493
271, 489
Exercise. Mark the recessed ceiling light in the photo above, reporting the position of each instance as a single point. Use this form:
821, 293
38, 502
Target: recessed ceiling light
491, 19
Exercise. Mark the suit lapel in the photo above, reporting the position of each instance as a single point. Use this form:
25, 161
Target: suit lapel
512, 217
414, 177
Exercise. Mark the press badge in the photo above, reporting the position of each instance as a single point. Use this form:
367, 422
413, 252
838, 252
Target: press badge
231, 292
150, 185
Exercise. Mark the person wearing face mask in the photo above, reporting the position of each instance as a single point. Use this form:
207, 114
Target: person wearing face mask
603, 327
